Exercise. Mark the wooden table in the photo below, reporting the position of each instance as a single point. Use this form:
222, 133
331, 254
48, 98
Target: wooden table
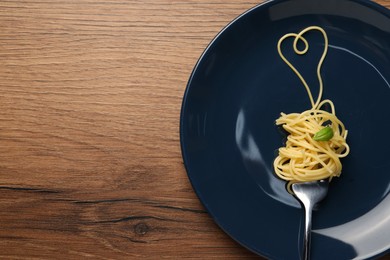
90, 161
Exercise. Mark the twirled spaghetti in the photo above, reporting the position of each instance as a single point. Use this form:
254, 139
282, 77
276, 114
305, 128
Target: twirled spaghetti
304, 159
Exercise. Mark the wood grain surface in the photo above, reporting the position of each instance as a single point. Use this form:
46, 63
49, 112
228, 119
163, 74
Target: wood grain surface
90, 97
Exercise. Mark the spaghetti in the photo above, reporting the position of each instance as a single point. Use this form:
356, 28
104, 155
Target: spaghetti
305, 159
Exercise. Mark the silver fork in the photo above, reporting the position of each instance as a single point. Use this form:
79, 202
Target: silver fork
309, 194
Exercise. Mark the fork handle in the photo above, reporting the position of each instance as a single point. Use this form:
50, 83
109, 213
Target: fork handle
307, 234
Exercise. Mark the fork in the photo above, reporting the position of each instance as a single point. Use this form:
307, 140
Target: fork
309, 194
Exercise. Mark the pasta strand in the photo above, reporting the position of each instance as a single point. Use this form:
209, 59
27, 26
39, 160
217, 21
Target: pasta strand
303, 159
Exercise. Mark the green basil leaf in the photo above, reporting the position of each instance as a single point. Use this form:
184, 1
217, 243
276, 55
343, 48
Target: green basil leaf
325, 134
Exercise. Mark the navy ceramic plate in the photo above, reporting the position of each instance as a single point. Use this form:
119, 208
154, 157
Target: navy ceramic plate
229, 137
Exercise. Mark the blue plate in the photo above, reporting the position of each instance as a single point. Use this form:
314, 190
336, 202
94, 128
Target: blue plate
229, 138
